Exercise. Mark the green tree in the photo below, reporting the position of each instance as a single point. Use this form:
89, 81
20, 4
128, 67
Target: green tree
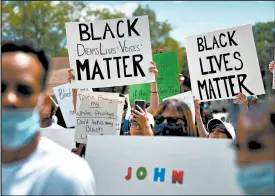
44, 21
264, 34
160, 35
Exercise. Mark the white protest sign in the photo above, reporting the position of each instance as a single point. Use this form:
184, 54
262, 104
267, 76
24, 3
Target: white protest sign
224, 63
63, 137
96, 114
186, 97
64, 96
179, 165
111, 52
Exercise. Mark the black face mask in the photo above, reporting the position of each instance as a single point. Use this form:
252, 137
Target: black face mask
163, 129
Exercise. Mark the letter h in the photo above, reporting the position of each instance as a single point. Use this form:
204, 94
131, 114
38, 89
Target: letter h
159, 174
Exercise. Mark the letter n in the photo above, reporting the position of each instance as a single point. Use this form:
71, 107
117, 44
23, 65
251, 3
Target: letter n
177, 176
159, 174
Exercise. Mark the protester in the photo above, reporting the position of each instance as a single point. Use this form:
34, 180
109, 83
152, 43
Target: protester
32, 165
255, 148
154, 99
220, 129
141, 123
215, 127
47, 114
174, 118
271, 66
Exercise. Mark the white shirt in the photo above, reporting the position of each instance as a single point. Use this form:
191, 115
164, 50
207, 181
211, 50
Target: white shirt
53, 126
50, 170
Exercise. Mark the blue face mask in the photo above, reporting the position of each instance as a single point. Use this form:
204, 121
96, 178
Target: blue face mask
257, 179
19, 126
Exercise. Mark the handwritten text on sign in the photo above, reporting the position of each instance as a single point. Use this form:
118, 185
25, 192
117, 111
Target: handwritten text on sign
112, 52
224, 63
96, 114
64, 96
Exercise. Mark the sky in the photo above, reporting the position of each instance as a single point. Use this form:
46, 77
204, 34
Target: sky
195, 17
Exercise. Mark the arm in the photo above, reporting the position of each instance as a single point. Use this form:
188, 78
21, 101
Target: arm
154, 96
202, 130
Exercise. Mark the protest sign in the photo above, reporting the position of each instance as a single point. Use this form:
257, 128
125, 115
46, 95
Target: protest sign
224, 63
64, 96
167, 80
111, 52
162, 166
96, 114
63, 137
273, 87
186, 97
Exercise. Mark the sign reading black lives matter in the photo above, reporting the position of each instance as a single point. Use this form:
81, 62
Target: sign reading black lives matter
106, 53
224, 63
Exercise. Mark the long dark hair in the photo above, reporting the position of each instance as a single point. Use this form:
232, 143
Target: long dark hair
184, 111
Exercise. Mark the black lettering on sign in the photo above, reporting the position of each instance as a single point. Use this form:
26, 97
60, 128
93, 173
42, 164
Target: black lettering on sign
137, 65
108, 66
107, 28
63, 94
97, 71
125, 66
209, 87
85, 35
117, 28
202, 42
235, 56
82, 67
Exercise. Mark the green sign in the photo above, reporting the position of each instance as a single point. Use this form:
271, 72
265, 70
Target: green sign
167, 80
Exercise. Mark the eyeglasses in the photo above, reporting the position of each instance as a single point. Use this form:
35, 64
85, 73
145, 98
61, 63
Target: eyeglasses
22, 90
170, 120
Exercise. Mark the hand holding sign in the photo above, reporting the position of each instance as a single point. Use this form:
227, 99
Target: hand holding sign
71, 75
154, 69
197, 107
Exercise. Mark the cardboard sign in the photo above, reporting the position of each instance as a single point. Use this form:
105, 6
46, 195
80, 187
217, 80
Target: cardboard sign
106, 53
167, 80
64, 96
224, 63
179, 165
186, 97
63, 137
96, 114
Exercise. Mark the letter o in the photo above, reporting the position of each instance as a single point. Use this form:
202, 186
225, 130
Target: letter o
141, 173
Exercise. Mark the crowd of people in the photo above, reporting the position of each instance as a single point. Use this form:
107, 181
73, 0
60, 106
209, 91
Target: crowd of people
31, 167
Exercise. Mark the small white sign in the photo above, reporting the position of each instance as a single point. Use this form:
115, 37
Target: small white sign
187, 98
96, 114
64, 96
224, 63
113, 52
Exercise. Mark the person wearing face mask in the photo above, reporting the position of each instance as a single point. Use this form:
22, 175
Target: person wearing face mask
255, 150
174, 118
32, 165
